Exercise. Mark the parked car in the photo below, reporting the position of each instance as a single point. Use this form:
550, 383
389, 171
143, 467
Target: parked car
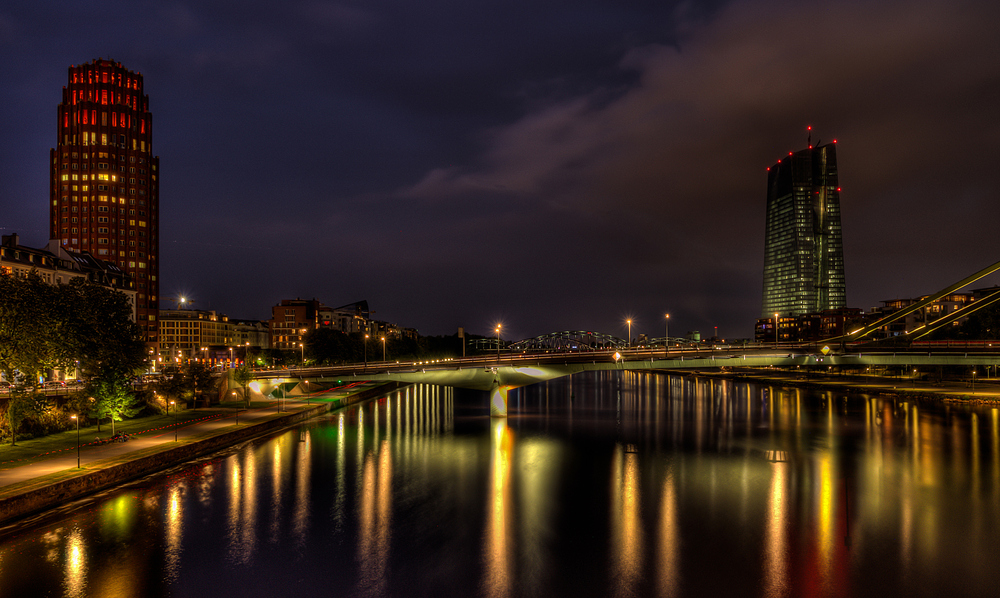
53, 385
4, 387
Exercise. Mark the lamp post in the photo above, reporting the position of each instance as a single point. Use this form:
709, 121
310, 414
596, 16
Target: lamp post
77, 440
302, 354
775, 329
174, 404
629, 322
383, 348
498, 343
366, 351
666, 336
246, 353
237, 409
230, 357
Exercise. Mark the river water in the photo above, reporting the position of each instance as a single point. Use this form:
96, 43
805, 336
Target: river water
602, 484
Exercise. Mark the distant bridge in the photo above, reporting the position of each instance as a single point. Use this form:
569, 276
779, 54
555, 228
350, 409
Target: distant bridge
564, 353
499, 376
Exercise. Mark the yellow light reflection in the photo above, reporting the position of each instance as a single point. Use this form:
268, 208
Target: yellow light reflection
668, 571
174, 527
775, 544
497, 565
375, 521
626, 523
75, 576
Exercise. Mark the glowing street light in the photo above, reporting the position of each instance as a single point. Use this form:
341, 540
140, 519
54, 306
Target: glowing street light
174, 405
666, 335
629, 322
77, 440
383, 348
237, 409
776, 328
366, 351
498, 343
230, 357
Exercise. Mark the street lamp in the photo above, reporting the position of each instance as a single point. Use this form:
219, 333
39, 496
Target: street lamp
230, 357
666, 336
175, 419
776, 329
237, 409
77, 440
383, 348
366, 351
302, 350
498, 343
629, 322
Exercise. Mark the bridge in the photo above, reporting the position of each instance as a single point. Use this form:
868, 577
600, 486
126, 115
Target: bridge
514, 370
565, 353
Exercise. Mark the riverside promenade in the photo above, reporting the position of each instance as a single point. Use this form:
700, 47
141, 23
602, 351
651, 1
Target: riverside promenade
34, 482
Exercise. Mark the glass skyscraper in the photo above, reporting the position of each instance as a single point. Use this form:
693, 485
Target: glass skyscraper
803, 251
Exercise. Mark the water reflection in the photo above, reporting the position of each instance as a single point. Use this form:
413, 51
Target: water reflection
608, 484
627, 537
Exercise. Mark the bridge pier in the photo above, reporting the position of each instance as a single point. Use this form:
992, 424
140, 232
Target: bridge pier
498, 399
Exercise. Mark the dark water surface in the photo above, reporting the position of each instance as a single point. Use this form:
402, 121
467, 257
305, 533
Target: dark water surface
603, 484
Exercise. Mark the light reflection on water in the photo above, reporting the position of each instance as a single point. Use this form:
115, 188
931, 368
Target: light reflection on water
597, 485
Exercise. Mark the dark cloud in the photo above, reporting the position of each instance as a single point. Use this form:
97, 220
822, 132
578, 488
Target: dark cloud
557, 165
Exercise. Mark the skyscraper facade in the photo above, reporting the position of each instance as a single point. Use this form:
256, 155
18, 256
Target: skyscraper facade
803, 252
105, 178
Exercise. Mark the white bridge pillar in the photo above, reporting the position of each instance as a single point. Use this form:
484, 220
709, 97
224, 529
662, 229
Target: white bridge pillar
498, 399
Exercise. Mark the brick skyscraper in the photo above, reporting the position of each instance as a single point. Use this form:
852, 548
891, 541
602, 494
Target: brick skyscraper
105, 178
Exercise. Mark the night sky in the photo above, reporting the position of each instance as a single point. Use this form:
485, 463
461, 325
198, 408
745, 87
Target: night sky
554, 165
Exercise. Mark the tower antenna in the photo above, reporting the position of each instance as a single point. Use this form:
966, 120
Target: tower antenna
809, 138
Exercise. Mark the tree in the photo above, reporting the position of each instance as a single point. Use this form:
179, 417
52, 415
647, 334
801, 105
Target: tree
185, 383
25, 331
20, 406
243, 375
110, 344
114, 399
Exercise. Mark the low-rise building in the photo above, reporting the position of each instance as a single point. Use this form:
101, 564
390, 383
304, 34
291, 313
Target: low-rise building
55, 265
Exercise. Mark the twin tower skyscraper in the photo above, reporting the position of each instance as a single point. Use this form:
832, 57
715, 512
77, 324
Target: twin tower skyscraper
104, 182
803, 250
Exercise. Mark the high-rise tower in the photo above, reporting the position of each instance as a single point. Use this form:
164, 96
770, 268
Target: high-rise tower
803, 252
105, 178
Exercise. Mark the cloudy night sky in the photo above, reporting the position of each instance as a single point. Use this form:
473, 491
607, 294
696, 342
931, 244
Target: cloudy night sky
553, 165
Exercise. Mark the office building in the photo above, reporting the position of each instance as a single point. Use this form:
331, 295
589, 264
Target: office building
104, 184
803, 252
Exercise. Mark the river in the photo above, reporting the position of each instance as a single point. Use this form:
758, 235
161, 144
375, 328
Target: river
600, 484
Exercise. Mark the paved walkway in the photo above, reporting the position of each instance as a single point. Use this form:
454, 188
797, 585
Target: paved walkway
89, 453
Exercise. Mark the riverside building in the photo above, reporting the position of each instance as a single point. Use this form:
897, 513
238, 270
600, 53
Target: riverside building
104, 183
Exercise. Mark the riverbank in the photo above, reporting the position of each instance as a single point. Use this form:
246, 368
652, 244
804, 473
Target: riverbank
986, 391
47, 483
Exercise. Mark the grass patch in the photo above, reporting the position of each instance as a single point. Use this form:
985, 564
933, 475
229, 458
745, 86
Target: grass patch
44, 447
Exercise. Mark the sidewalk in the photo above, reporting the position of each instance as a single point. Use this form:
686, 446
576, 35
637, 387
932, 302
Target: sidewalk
52, 477
212, 420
